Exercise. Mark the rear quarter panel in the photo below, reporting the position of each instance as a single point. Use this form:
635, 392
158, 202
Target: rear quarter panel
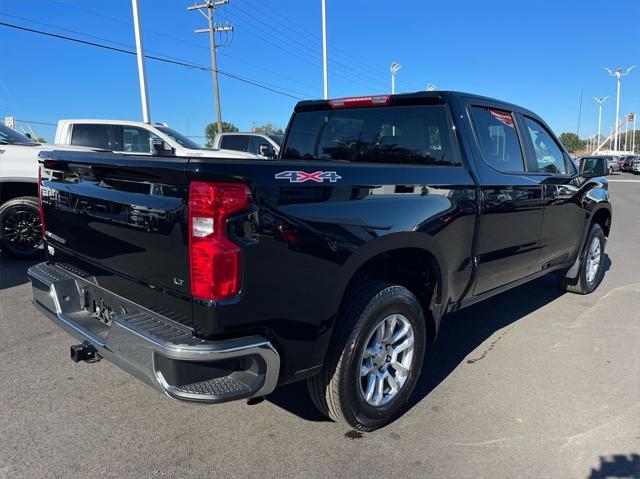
304, 242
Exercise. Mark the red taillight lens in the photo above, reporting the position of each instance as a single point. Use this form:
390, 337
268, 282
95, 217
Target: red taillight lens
40, 202
376, 100
215, 260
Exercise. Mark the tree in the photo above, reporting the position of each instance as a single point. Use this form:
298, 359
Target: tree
212, 128
572, 142
629, 142
269, 128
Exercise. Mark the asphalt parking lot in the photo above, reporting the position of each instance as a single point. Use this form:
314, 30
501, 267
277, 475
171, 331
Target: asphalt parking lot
532, 383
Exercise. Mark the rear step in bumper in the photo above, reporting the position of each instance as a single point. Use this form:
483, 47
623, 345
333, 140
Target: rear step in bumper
155, 349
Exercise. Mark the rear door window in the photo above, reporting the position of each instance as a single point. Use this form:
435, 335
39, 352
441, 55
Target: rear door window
96, 136
235, 142
393, 134
549, 156
499, 144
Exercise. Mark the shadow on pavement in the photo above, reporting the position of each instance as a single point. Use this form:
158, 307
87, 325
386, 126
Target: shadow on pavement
295, 399
13, 272
460, 334
619, 465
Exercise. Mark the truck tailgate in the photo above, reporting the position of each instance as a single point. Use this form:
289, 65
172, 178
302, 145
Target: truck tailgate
125, 214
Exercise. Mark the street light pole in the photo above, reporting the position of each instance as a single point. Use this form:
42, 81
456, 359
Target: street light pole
618, 74
600, 100
324, 49
394, 70
142, 76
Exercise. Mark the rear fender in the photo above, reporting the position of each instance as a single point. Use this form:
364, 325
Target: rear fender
397, 241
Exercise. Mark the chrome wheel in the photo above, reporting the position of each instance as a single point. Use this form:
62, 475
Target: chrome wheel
386, 360
593, 260
22, 230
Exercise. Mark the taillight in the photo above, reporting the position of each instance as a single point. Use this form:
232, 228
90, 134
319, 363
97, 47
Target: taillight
40, 202
215, 260
375, 100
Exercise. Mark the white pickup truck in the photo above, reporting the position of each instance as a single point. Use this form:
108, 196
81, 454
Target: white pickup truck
137, 138
265, 145
20, 231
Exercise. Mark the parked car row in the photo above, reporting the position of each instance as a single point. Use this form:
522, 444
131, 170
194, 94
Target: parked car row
630, 163
627, 162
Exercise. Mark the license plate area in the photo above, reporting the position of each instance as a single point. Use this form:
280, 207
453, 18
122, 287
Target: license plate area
100, 305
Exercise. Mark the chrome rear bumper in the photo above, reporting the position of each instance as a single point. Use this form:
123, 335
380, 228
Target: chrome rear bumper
153, 348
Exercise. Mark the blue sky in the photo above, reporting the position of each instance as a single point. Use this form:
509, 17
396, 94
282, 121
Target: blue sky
537, 54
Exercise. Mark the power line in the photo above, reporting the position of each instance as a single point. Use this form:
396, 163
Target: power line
291, 42
35, 122
291, 26
84, 34
151, 57
298, 51
170, 37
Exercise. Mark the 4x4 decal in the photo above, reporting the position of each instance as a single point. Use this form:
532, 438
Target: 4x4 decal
302, 176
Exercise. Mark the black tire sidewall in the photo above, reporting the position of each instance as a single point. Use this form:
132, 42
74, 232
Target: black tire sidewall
401, 301
8, 208
596, 231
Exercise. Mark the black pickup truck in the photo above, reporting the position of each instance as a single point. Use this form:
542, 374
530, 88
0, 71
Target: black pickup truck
214, 280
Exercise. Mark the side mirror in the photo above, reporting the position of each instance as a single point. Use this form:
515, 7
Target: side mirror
160, 147
594, 167
267, 151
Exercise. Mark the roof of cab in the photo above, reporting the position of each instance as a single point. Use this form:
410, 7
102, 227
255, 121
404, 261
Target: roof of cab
437, 97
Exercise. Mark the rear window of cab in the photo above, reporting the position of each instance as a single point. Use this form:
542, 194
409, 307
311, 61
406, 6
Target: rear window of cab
416, 135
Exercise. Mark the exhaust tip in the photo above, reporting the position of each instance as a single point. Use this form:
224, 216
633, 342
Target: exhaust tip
84, 352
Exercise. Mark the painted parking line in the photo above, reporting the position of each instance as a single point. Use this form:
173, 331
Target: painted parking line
623, 181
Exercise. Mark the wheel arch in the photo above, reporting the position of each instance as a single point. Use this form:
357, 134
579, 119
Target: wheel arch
602, 216
410, 259
11, 188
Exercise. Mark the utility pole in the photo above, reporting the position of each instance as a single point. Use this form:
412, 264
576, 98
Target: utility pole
618, 74
212, 30
324, 49
600, 101
394, 70
142, 77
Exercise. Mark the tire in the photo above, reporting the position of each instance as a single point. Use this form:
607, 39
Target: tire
20, 230
339, 390
587, 281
